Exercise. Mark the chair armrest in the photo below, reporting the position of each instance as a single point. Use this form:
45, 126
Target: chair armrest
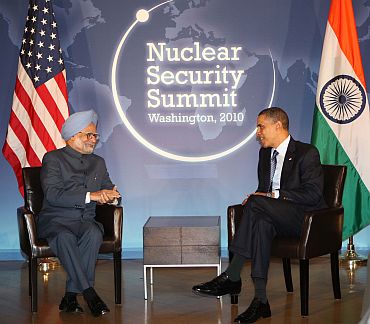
27, 230
321, 232
111, 217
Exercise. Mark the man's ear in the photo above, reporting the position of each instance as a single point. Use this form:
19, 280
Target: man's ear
71, 140
279, 125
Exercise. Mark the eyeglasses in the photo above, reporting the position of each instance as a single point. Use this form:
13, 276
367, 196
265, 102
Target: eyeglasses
91, 135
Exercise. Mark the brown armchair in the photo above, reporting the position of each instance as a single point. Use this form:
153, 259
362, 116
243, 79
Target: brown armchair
321, 234
33, 248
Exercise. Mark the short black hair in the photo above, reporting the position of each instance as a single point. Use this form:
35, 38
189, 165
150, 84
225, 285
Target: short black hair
276, 114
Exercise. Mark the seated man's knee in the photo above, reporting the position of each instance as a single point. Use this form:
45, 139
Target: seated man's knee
65, 236
254, 201
257, 208
93, 231
63, 239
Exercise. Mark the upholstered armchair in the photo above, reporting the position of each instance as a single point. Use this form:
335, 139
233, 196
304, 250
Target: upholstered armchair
321, 235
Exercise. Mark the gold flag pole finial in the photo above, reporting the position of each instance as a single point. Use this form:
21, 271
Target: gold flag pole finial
46, 265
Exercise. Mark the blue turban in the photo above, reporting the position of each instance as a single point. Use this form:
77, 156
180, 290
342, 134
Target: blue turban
77, 122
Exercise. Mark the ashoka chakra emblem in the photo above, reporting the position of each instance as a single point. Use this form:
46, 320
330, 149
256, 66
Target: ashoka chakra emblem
342, 99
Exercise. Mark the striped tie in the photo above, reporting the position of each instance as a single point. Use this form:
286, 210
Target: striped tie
273, 167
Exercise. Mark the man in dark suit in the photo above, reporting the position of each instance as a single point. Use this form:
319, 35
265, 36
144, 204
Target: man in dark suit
74, 180
290, 182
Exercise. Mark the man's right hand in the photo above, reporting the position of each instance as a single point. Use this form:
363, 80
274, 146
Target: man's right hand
105, 196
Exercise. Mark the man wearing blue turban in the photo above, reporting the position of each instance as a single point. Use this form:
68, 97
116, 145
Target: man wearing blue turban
74, 180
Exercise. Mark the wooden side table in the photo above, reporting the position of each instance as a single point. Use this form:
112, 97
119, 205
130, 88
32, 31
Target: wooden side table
181, 241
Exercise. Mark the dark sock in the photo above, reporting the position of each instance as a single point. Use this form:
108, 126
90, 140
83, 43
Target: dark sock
260, 289
89, 293
235, 267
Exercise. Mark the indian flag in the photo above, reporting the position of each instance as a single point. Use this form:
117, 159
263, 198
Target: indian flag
341, 124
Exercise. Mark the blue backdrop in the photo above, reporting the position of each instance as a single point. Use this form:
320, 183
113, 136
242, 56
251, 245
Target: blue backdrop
237, 56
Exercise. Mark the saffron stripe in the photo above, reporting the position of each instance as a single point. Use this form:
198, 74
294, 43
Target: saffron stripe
342, 21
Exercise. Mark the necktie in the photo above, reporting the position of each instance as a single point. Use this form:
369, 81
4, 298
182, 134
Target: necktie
273, 167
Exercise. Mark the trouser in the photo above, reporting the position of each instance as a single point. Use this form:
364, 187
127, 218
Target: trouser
264, 219
77, 247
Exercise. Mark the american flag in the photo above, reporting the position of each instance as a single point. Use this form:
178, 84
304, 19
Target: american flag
40, 99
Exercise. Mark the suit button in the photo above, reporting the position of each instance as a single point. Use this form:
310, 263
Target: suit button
85, 186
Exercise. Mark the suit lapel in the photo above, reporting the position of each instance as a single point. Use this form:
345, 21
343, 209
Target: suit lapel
266, 167
288, 162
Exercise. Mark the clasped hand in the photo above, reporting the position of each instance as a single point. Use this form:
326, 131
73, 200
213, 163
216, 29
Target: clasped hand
105, 196
257, 193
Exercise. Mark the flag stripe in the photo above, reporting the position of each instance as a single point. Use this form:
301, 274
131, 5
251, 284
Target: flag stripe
345, 30
50, 103
27, 127
14, 162
14, 147
60, 80
18, 135
32, 119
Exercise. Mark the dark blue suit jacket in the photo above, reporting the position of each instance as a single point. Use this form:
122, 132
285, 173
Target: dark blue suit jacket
66, 177
302, 179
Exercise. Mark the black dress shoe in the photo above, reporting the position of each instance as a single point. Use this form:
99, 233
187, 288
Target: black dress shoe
256, 310
97, 306
219, 286
70, 305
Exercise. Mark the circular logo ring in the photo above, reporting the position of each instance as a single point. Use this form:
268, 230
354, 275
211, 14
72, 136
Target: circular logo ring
142, 16
342, 99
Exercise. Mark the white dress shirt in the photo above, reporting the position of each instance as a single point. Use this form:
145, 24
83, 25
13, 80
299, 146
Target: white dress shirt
282, 148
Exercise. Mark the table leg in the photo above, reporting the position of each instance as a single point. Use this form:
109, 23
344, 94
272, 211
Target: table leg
145, 285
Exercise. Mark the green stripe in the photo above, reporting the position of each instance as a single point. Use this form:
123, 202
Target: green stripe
356, 197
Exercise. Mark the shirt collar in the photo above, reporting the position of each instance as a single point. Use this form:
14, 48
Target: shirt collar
283, 147
72, 152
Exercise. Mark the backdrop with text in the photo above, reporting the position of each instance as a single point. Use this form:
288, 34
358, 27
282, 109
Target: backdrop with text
177, 86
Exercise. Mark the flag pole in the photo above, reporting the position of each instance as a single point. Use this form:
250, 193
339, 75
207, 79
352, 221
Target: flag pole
351, 259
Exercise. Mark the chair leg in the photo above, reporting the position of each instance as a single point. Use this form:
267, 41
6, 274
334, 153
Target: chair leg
234, 299
287, 275
33, 268
304, 277
117, 276
334, 260
29, 277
